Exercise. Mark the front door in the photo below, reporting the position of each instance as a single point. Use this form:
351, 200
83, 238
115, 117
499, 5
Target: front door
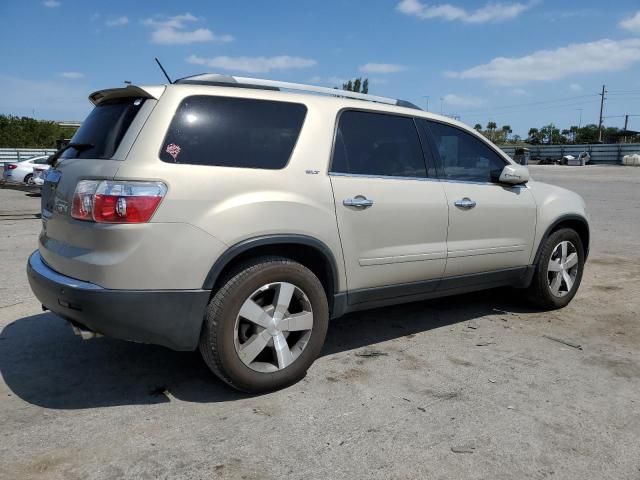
491, 226
392, 218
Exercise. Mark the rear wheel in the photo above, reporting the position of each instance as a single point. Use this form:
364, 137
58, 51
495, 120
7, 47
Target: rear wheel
559, 270
266, 325
28, 179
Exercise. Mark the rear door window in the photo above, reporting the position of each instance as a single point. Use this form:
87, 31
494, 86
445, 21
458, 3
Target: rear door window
104, 128
233, 132
377, 144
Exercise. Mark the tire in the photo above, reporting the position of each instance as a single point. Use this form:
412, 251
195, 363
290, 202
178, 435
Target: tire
28, 178
232, 323
546, 290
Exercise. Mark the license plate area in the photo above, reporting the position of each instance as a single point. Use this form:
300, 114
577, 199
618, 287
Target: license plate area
51, 180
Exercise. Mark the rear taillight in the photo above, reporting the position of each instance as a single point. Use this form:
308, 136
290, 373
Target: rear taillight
12, 166
116, 201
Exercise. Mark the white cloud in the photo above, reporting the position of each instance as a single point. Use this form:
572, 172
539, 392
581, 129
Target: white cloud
544, 65
463, 101
51, 3
632, 24
173, 31
171, 36
72, 75
117, 22
177, 21
575, 87
253, 64
381, 68
491, 12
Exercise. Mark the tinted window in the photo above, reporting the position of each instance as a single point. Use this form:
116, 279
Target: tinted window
463, 156
104, 128
233, 132
377, 144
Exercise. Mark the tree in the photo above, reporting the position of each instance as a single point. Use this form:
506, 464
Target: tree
534, 136
25, 132
491, 127
574, 133
506, 131
478, 127
357, 85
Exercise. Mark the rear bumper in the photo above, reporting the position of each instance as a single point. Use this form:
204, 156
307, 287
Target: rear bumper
172, 318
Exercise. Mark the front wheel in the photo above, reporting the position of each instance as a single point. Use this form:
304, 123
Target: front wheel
266, 325
558, 270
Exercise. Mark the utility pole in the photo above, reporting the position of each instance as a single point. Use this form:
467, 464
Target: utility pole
626, 124
427, 97
580, 120
601, 109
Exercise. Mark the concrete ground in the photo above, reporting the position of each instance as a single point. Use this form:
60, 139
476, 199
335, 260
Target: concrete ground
463, 387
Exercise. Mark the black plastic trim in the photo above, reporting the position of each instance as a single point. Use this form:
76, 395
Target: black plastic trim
553, 226
363, 299
172, 318
268, 240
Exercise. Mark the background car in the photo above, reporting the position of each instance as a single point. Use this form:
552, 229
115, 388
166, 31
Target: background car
22, 172
38, 175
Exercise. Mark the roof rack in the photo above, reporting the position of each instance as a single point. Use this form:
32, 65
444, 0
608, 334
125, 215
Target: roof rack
217, 79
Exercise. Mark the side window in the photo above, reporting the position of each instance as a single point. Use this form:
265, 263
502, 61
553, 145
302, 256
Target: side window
464, 157
40, 161
377, 144
233, 132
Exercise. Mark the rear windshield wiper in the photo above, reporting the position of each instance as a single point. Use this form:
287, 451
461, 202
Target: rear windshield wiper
78, 146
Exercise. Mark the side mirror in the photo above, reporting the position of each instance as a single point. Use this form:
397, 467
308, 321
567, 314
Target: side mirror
511, 175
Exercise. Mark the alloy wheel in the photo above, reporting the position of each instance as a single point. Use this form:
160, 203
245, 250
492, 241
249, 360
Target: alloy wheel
563, 268
273, 327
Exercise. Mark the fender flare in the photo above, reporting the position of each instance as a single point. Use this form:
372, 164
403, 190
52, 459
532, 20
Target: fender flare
554, 224
271, 240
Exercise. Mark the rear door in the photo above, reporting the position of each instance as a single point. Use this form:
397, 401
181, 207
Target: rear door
392, 217
491, 226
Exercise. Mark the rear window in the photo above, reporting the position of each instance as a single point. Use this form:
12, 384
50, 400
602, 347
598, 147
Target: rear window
378, 144
233, 132
104, 128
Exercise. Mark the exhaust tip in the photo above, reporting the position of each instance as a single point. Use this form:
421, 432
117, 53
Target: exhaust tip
84, 333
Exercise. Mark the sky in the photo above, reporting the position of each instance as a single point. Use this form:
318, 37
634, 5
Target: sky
518, 63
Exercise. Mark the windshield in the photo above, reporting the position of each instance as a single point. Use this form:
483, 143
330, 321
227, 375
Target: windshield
104, 128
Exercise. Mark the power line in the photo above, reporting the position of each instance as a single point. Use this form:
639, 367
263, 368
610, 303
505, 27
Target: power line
533, 108
533, 103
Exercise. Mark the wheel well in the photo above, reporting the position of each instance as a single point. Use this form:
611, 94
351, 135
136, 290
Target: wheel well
312, 258
579, 226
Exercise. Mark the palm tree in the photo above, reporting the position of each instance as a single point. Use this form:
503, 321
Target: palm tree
506, 130
491, 126
574, 133
477, 127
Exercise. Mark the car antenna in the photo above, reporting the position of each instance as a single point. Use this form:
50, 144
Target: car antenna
163, 70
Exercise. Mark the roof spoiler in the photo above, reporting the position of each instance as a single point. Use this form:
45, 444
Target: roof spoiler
125, 92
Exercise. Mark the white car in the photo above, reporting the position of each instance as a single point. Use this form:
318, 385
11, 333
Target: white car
38, 175
22, 172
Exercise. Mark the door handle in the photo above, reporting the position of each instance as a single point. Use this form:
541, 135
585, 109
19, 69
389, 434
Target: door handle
465, 203
359, 201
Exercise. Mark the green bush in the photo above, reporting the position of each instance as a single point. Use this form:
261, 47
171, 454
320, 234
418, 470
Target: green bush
25, 132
